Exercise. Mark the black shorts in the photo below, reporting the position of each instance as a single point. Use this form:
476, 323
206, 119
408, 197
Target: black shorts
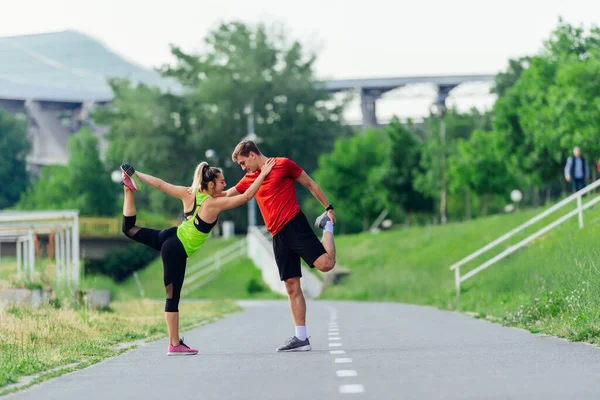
296, 240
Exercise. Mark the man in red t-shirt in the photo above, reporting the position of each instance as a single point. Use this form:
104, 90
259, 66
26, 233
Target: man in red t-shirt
292, 235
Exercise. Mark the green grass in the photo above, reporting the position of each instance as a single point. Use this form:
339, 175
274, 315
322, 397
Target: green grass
560, 270
8, 267
233, 283
8, 273
38, 340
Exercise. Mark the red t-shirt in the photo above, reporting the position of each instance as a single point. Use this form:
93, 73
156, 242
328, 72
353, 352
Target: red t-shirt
276, 197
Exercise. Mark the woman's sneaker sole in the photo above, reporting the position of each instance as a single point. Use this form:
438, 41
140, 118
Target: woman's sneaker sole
134, 183
182, 354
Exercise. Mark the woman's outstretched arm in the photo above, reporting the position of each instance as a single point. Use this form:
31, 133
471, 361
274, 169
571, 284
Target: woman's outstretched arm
173, 190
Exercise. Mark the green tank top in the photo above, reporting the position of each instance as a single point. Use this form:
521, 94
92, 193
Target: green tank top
191, 238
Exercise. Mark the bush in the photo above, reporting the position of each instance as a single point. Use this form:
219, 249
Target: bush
119, 264
255, 286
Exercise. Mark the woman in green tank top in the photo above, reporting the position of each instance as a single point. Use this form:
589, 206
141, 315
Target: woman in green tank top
204, 200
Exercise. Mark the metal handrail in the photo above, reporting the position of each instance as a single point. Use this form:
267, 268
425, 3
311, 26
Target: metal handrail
578, 211
213, 263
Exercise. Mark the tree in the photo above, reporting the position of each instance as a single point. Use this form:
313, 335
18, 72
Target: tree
507, 79
458, 126
82, 184
242, 68
481, 166
567, 41
51, 191
551, 105
14, 148
154, 131
351, 177
253, 68
402, 164
89, 181
574, 105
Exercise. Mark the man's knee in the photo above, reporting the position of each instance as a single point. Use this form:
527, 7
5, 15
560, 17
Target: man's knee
325, 263
292, 286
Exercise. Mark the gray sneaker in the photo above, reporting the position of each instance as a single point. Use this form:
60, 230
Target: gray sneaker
295, 344
322, 220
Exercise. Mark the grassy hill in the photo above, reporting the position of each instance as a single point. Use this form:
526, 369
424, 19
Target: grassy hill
552, 285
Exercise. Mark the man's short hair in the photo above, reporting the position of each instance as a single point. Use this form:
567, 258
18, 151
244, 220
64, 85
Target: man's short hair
244, 148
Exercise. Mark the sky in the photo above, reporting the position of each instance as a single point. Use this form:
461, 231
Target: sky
353, 39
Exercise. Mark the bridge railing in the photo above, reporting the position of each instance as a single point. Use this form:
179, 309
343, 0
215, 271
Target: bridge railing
112, 226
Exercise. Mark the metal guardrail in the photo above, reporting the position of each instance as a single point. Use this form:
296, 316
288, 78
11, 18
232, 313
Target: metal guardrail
578, 211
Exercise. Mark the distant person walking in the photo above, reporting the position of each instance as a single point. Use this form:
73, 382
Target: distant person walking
577, 171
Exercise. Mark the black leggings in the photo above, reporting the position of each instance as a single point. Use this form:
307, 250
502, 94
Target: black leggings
172, 252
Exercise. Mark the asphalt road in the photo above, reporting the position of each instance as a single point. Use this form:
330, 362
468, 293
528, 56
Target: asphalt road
360, 350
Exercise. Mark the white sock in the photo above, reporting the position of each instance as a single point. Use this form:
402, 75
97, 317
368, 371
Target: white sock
328, 227
301, 332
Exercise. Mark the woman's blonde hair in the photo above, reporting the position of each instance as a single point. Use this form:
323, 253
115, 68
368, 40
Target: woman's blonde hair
204, 173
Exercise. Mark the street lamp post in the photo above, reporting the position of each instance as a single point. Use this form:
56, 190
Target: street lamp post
439, 109
251, 135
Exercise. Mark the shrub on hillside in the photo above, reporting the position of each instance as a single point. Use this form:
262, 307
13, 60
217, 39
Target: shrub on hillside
121, 263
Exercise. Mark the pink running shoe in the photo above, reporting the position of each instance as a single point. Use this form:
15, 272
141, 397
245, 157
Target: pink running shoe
130, 179
181, 350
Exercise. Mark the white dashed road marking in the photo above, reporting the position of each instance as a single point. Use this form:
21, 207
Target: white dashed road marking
352, 388
334, 337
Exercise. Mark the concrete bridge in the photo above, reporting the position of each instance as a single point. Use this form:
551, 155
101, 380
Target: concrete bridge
371, 89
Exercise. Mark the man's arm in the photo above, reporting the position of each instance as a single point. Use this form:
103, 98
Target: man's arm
316, 191
568, 169
232, 192
228, 193
231, 201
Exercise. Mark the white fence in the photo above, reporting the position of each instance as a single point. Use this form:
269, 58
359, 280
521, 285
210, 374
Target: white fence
202, 272
22, 228
577, 197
